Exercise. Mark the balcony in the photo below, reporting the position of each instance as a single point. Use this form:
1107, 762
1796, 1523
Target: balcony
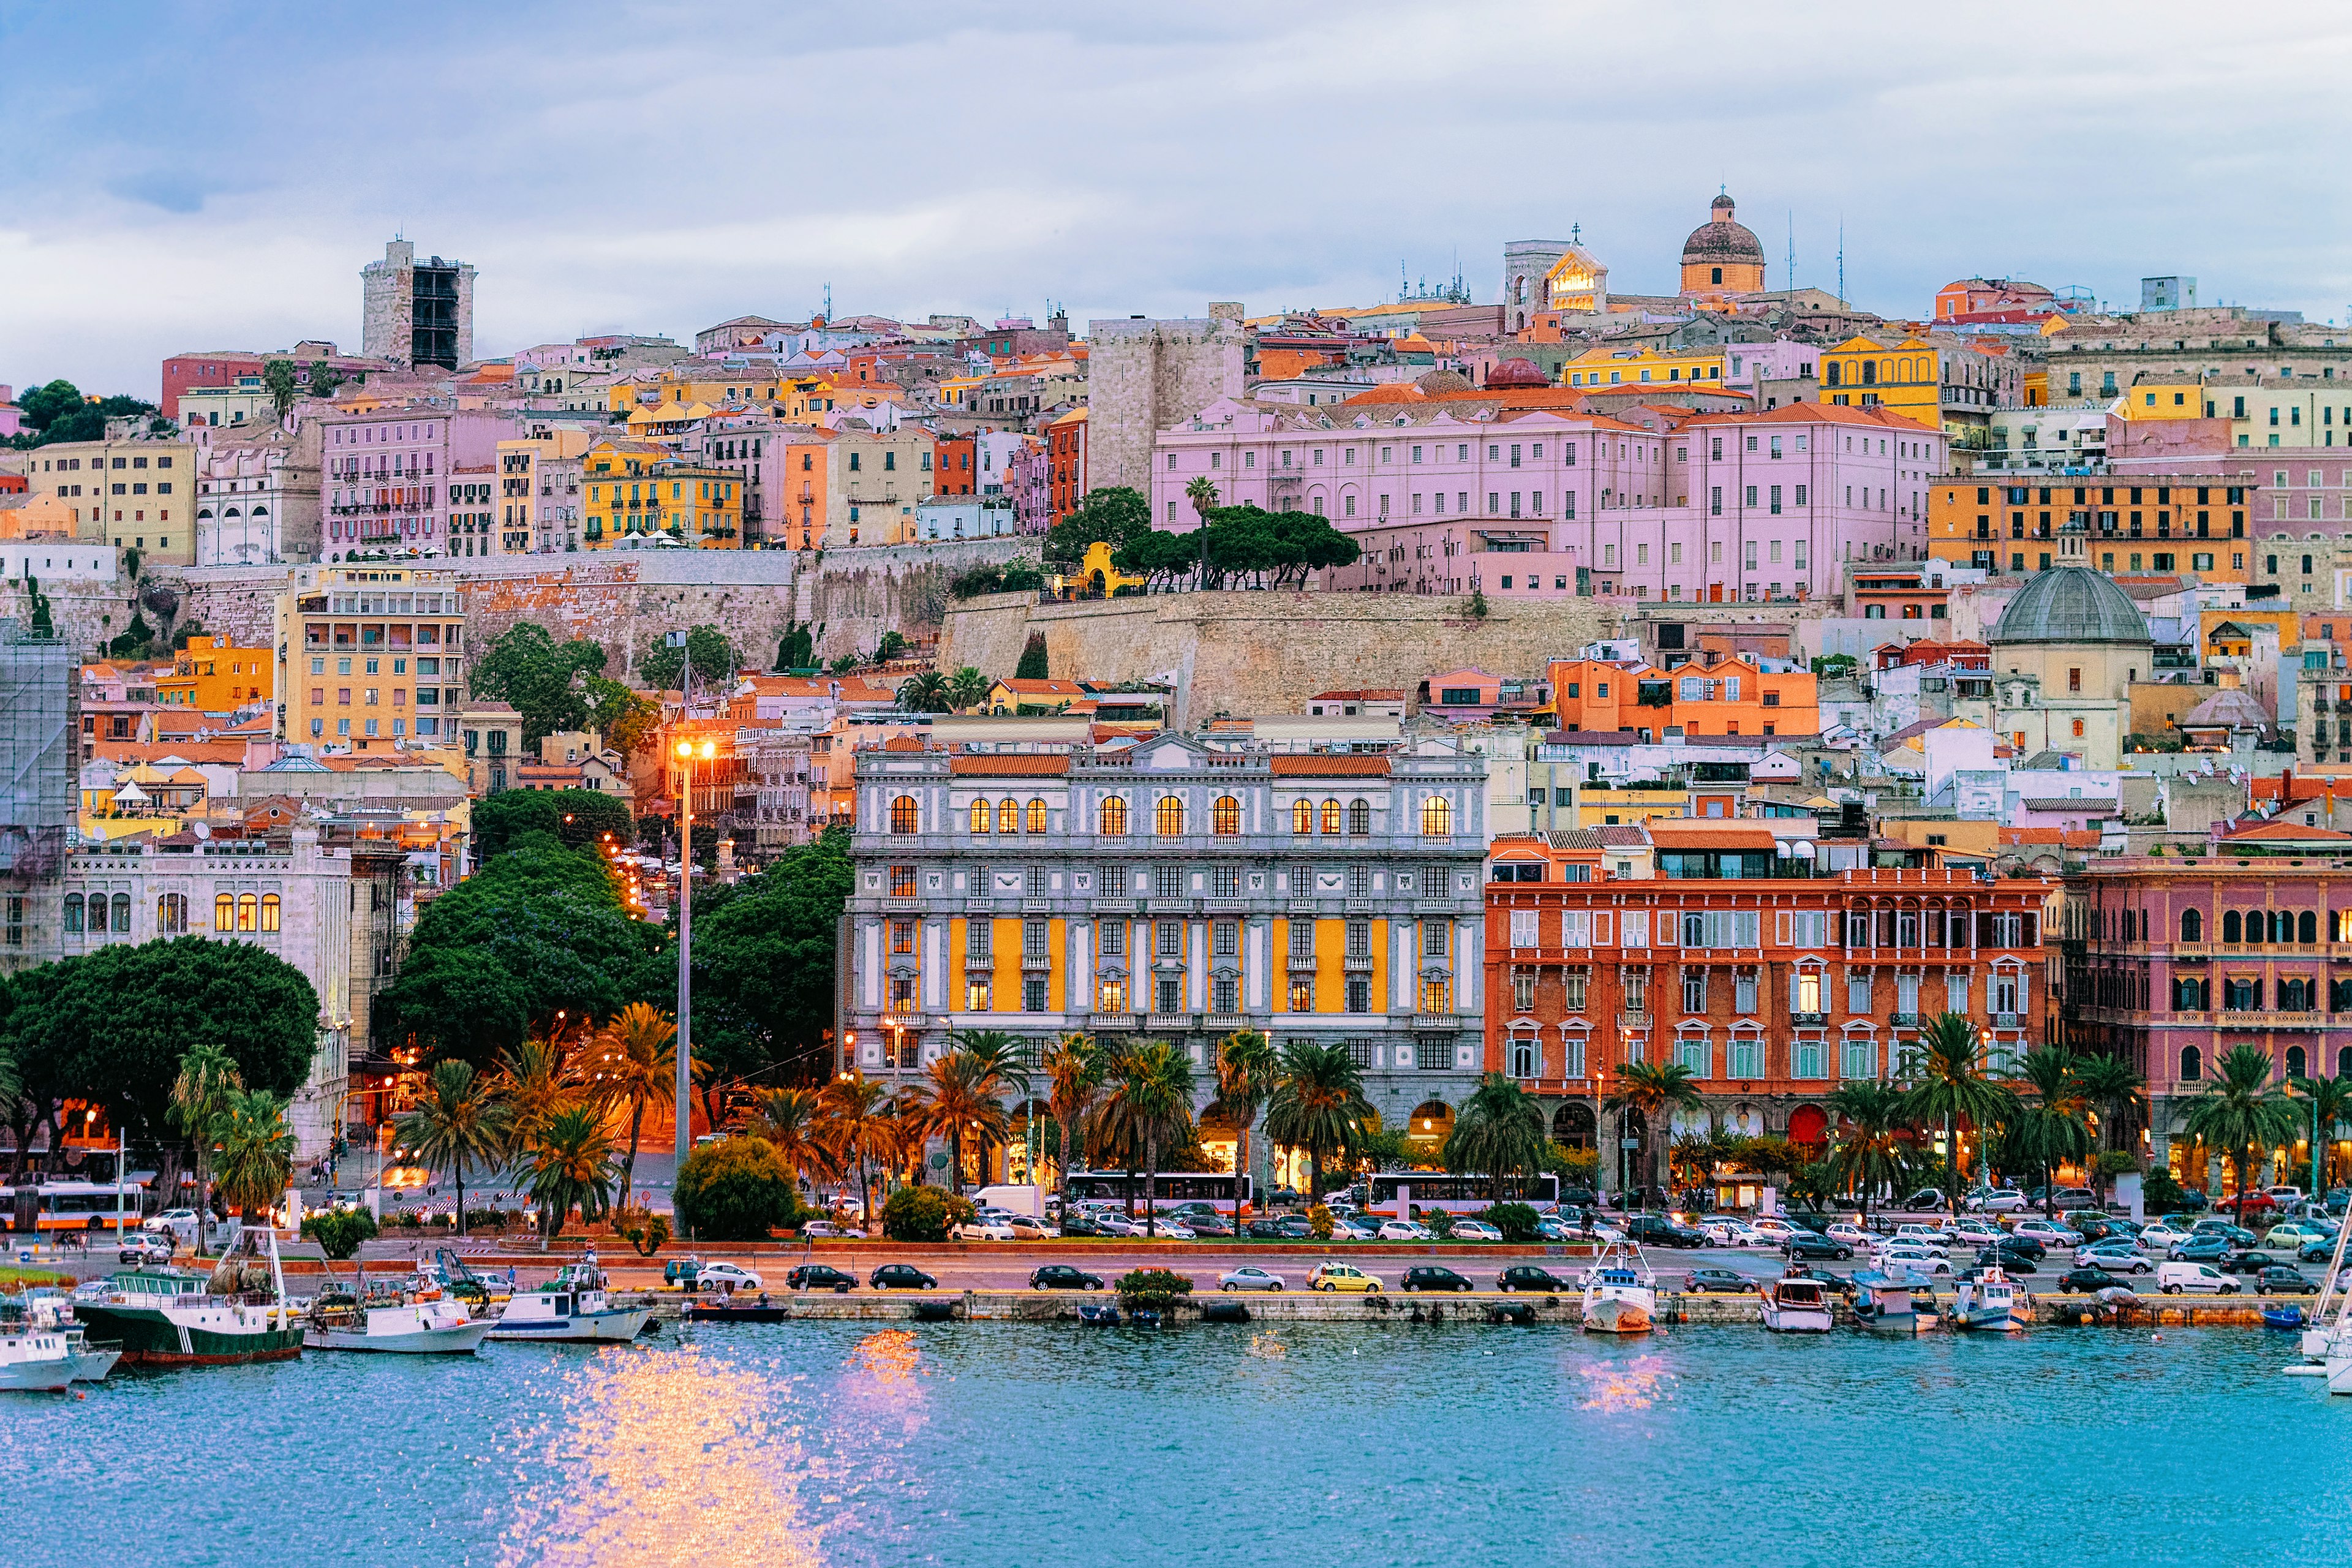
2009, 1020
1302, 964
1358, 963
1111, 1022
1635, 1020
1036, 963
1116, 906
1435, 1023
1905, 1020
1808, 1020
1226, 1023
979, 906
1168, 1023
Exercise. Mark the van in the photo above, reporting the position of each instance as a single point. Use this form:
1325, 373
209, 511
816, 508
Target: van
1013, 1199
2172, 1278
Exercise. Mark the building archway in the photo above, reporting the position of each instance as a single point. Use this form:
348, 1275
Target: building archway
1809, 1127
1572, 1124
1426, 1130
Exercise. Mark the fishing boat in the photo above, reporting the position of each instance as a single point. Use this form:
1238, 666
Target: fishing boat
2285, 1318
1991, 1302
174, 1317
42, 1347
1884, 1304
571, 1308
403, 1321
1795, 1304
1621, 1293
732, 1310
1101, 1314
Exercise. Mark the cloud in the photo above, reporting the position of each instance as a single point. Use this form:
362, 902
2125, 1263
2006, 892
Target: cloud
663, 166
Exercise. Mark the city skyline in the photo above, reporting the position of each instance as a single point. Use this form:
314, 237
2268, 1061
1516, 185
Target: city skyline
152, 224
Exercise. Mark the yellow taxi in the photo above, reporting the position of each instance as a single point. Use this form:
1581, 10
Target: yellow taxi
1341, 1277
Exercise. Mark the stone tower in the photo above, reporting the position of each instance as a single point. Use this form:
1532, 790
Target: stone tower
1143, 376
416, 312
1526, 262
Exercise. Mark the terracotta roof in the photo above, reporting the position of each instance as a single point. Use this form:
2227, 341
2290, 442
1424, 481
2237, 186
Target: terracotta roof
1877, 414
1697, 833
2280, 830
1330, 766
1026, 764
1039, 688
904, 743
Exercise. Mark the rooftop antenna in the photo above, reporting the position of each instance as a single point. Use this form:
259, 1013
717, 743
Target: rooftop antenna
1840, 258
1789, 280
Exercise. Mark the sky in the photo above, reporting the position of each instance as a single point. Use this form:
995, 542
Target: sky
197, 176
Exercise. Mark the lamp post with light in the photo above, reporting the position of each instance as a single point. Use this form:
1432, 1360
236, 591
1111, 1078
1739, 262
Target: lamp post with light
688, 753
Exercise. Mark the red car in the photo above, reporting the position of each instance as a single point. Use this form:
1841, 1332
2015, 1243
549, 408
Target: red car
2249, 1203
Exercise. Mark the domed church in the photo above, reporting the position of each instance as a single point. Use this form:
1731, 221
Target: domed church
1722, 256
2083, 642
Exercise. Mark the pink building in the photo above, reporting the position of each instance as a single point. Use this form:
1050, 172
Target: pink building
386, 474
1457, 491
12, 418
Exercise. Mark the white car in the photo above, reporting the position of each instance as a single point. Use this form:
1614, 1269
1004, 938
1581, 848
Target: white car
2113, 1258
1934, 1235
1848, 1234
181, 1222
1173, 1229
2162, 1236
1778, 1230
1916, 1258
1355, 1229
982, 1229
1475, 1230
1404, 1230
2049, 1234
735, 1274
1975, 1232
1249, 1277
1118, 1225
824, 1227
2004, 1201
1732, 1233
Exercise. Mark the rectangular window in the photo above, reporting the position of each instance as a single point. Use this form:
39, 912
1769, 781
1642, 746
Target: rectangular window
1034, 994
1696, 1052
1694, 990
1743, 994
1721, 928
1110, 940
1576, 928
1746, 1056
1169, 940
1634, 928
1228, 940
1857, 1058
1807, 1059
1857, 993
1523, 927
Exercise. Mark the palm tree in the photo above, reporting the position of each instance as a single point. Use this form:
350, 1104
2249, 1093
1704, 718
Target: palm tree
572, 1166
924, 693
1656, 1089
1202, 493
1318, 1105
2115, 1091
1245, 1070
1869, 1154
208, 1076
967, 689
1499, 1128
458, 1120
256, 1148
1948, 1083
633, 1061
789, 1119
1006, 1056
2331, 1102
535, 1080
2056, 1127
1074, 1075
2240, 1110
848, 1109
1152, 1097
965, 1095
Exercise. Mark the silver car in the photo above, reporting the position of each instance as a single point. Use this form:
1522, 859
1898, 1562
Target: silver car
1249, 1277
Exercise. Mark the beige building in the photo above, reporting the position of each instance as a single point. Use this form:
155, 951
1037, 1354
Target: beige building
370, 656
138, 493
2065, 655
539, 492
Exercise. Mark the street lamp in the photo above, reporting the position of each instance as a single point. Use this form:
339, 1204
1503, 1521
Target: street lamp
688, 753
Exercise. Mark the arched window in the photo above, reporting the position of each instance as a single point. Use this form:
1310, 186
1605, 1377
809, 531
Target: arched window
1168, 821
1008, 815
2257, 925
2193, 926
123, 911
269, 906
97, 911
1036, 817
2188, 994
1330, 816
1360, 817
2229, 925
2193, 1064
73, 913
1225, 817
902, 814
2295, 1062
225, 913
980, 816
1302, 816
1436, 818
2344, 1062
2306, 930
248, 909
1114, 816
2292, 996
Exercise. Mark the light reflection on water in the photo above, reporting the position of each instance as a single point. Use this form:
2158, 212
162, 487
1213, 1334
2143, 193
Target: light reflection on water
977, 1444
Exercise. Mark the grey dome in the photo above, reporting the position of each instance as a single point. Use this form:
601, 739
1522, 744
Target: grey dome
2071, 604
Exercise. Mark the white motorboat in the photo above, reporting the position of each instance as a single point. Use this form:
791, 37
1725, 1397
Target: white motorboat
1885, 1304
571, 1308
1795, 1305
404, 1322
42, 1347
1990, 1301
1621, 1293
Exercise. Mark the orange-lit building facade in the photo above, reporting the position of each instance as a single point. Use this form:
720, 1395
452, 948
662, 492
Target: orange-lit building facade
953, 465
1731, 697
2160, 525
1065, 461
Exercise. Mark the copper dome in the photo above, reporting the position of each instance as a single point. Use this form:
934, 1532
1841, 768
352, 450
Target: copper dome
1517, 372
1721, 239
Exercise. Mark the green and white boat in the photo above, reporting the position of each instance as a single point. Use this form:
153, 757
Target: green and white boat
172, 1317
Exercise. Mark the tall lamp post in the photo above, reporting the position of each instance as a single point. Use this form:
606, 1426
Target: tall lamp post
688, 751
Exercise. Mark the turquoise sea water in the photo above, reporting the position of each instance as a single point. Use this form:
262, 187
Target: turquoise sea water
978, 1444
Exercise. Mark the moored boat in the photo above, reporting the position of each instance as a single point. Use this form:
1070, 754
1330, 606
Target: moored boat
1990, 1301
1884, 1304
1795, 1305
1621, 1293
400, 1322
43, 1349
170, 1317
571, 1308
1100, 1314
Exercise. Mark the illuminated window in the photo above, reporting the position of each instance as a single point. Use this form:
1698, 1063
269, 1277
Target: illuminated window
1438, 997
1302, 995
1169, 819
1436, 818
1036, 817
247, 911
902, 881
902, 814
902, 937
269, 906
225, 913
975, 995
1302, 816
980, 816
1225, 817
1111, 996
1114, 816
1330, 816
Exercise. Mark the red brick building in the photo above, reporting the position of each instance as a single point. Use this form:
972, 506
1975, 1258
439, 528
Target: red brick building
1771, 983
1065, 461
952, 464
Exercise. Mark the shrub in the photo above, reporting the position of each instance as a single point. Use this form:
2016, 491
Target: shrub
1516, 1221
2159, 1193
642, 1230
338, 1232
1158, 1288
1319, 1222
1440, 1223
411, 1220
916, 1213
738, 1189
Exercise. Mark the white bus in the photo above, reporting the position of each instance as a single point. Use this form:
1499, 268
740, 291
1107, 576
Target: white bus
1169, 1189
73, 1206
1393, 1191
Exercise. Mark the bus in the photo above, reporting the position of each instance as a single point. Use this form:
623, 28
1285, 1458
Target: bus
1169, 1189
1392, 1191
72, 1205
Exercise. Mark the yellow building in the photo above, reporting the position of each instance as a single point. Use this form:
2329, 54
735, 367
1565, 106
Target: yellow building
539, 488
1604, 367
2229, 634
692, 384
2183, 400
213, 675
1578, 283
638, 489
368, 655
136, 495
1623, 808
854, 486
2166, 529
1864, 372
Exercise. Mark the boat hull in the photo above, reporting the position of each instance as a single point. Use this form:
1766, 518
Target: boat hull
1616, 1315
52, 1375
2339, 1374
205, 1337
1805, 1319
458, 1338
595, 1328
1904, 1322
92, 1365
1992, 1320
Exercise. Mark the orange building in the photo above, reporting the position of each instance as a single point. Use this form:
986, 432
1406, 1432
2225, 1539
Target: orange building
952, 464
1732, 697
2164, 524
1065, 459
212, 675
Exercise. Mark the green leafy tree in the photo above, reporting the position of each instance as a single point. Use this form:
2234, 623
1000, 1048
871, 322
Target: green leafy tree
1318, 1105
967, 689
1657, 1090
459, 1121
324, 380
1032, 658
571, 1167
796, 649
61, 412
1151, 1098
538, 677
791, 1122
1157, 1289
1948, 1083
2239, 1111
962, 1097
1868, 1153
631, 1064
576, 818
1074, 1078
2116, 1092
338, 1232
1517, 1222
853, 1113
536, 1078
1114, 515
707, 649
1247, 1068
2053, 1125
1499, 1130
738, 1189
279, 381
257, 1150
916, 1214
892, 646
629, 722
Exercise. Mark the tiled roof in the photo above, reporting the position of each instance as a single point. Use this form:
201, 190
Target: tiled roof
1022, 764
1330, 766
1686, 833
2278, 830
2071, 803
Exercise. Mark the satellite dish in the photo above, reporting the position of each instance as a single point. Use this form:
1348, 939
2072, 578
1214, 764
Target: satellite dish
204, 830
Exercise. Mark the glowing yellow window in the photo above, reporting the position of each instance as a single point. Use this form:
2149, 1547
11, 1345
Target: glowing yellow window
1114, 816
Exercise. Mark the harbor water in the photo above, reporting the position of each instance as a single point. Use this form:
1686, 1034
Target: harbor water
982, 1444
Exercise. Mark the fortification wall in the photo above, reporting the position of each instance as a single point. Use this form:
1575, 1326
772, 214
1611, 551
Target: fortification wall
855, 595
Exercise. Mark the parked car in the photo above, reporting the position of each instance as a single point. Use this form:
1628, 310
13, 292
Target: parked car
1723, 1231
2200, 1249
1027, 1227
1249, 1277
1849, 1233
708, 1275
820, 1277
2288, 1236
1475, 1230
2115, 1260
137, 1247
983, 1227
1657, 1230
1431, 1277
1264, 1230
2259, 1205
2278, 1277
2214, 1224
181, 1222
1975, 1233
1079, 1223
2097, 1227
1709, 1282
1404, 1230
1062, 1277
1935, 1238
901, 1277
1530, 1277
817, 1229
2014, 1260
1167, 1229
2087, 1280
2001, 1200
1926, 1200
2315, 1251
2246, 1260
1917, 1259
1825, 1280
1211, 1224
1329, 1276
1355, 1229
2162, 1235
2174, 1278
1806, 1244
1116, 1225
1773, 1227
2047, 1233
